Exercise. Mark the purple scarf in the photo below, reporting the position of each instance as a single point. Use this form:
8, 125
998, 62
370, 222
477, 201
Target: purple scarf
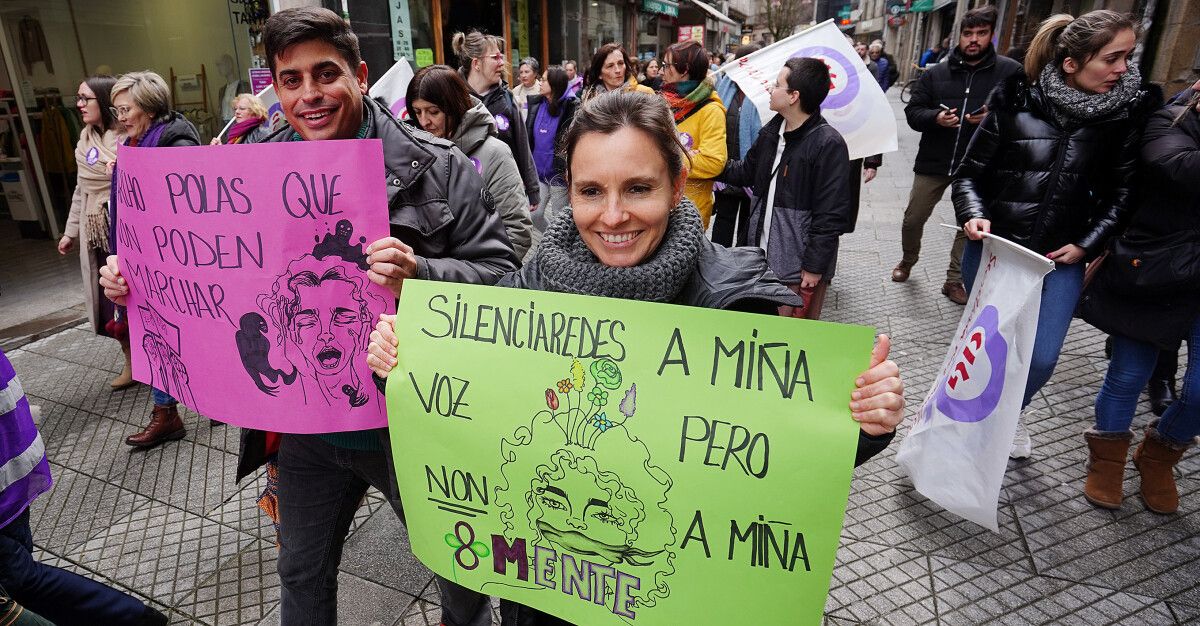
24, 471
241, 128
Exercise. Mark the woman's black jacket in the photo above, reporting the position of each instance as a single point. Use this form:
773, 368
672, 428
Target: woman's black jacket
1044, 185
1169, 204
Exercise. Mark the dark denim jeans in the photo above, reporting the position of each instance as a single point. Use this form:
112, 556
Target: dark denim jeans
56, 594
1130, 369
161, 398
1060, 294
320, 488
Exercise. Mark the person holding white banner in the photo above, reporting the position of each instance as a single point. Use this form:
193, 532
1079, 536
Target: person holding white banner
1052, 166
1148, 307
799, 168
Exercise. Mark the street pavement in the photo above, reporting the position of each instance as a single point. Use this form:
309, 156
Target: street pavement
170, 526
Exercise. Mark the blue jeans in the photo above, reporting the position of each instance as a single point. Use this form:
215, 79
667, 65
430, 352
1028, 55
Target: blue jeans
162, 398
1060, 294
1131, 366
320, 488
56, 594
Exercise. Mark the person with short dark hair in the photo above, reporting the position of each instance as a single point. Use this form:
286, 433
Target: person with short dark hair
948, 103
699, 117
321, 82
799, 170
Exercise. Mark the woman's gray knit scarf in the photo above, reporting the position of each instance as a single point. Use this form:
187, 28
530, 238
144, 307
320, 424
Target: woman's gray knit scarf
568, 266
1073, 107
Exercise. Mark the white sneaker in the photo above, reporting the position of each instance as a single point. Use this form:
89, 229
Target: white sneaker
1022, 446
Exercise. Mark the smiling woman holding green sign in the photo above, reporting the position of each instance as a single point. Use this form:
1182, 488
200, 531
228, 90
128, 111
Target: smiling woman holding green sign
629, 233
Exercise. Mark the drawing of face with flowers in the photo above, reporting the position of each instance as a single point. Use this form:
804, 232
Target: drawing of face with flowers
579, 481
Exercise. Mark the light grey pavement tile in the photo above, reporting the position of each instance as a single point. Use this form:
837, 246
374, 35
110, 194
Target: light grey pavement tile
82, 347
1148, 561
78, 508
421, 613
241, 510
969, 593
1084, 339
204, 432
97, 448
164, 551
242, 591
1184, 613
196, 478
364, 602
896, 515
379, 552
877, 583
373, 502
54, 379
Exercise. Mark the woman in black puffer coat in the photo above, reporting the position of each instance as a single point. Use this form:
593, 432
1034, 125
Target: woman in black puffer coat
1143, 320
1051, 167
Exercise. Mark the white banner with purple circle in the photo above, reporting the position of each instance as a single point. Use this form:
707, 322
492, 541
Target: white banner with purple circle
856, 106
392, 88
957, 448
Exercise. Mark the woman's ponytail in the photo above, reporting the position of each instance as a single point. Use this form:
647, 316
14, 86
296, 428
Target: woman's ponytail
1080, 38
1044, 46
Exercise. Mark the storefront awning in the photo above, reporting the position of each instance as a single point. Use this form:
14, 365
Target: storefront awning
925, 6
713, 13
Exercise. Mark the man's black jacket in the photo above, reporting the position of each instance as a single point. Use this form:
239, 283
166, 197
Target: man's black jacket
958, 86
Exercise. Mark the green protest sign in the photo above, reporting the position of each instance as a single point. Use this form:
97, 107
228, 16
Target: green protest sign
611, 462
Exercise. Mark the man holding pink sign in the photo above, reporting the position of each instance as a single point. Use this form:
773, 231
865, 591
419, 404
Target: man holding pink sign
301, 336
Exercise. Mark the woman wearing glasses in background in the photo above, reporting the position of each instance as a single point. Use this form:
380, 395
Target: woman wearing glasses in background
142, 107
87, 225
481, 63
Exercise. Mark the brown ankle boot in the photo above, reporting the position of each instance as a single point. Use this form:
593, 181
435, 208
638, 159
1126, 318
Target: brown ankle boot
1106, 467
165, 425
125, 379
1155, 460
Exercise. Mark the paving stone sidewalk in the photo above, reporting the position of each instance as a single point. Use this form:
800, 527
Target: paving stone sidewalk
170, 526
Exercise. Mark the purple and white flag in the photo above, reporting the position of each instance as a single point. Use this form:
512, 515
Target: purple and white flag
957, 448
855, 106
392, 87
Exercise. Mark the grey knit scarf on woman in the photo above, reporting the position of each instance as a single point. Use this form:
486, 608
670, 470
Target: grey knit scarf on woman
567, 265
1073, 107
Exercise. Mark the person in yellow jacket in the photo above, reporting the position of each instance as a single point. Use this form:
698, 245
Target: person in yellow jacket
699, 118
611, 70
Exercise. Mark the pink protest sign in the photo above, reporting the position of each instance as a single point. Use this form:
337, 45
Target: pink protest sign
249, 298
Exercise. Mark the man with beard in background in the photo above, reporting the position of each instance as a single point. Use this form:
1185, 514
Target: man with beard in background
948, 103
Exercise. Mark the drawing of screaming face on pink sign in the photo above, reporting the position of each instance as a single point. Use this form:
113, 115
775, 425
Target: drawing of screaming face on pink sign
969, 390
250, 300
